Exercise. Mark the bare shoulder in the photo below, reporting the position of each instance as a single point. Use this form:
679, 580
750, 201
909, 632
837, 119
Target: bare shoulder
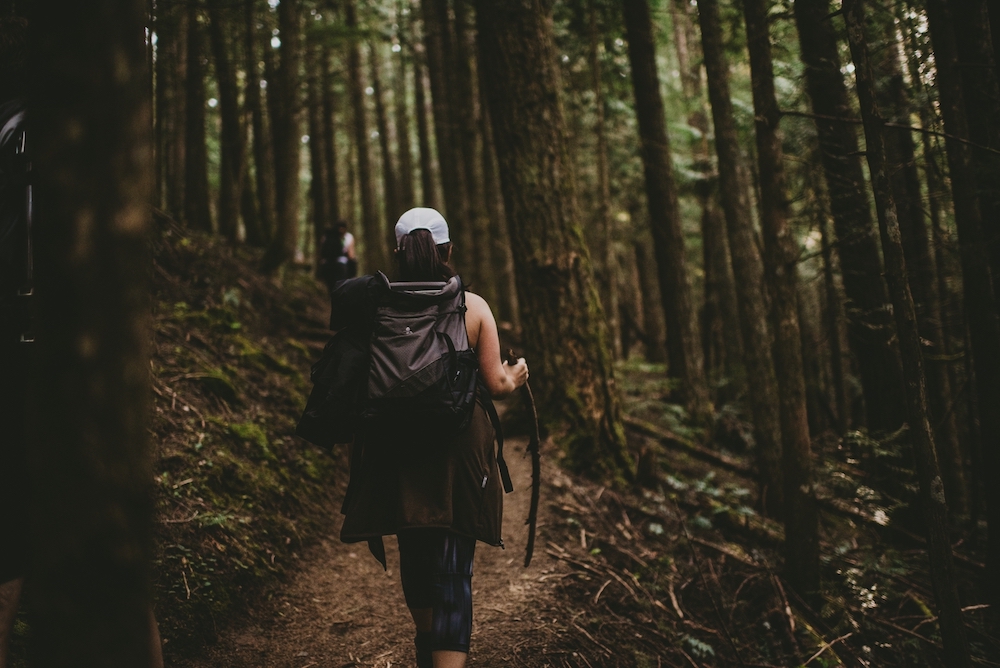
478, 313
475, 303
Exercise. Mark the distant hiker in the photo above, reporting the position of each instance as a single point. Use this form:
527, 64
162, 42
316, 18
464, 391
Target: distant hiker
338, 258
423, 466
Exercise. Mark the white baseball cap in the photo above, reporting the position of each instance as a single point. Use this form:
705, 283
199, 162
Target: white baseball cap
423, 218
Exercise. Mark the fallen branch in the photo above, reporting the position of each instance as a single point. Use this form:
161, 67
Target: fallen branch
825, 647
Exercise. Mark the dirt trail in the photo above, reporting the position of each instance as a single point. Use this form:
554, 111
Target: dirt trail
340, 609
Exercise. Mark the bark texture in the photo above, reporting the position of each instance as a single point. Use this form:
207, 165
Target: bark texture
232, 148
428, 182
685, 362
197, 210
390, 190
318, 177
747, 264
439, 46
605, 225
781, 256
980, 301
932, 493
870, 324
375, 255
286, 130
560, 306
401, 107
90, 460
262, 151
329, 125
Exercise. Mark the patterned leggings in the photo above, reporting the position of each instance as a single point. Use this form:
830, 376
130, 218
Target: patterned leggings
435, 567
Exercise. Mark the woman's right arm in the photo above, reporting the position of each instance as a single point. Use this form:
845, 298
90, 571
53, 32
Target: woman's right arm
500, 378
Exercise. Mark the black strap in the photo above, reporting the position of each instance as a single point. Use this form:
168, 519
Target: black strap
491, 411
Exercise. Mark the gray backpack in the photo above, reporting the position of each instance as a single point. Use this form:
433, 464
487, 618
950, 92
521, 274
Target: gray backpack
423, 373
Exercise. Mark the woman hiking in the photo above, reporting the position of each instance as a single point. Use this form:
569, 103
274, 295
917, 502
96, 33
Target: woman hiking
439, 493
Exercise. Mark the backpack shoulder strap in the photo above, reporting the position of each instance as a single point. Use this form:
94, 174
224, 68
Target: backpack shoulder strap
491, 411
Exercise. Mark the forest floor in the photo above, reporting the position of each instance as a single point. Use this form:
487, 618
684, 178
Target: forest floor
341, 609
682, 571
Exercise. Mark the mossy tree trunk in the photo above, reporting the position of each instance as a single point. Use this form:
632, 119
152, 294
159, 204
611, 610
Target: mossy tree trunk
565, 340
90, 464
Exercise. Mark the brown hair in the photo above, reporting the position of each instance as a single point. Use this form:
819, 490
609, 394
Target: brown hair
420, 259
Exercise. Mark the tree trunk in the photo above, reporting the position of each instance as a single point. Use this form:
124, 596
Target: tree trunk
982, 108
231, 149
931, 487
653, 324
407, 200
329, 124
167, 40
683, 349
434, 62
605, 224
172, 105
428, 187
980, 302
375, 253
869, 319
722, 343
747, 266
440, 48
262, 152
922, 269
285, 127
465, 99
89, 580
318, 177
390, 192
834, 317
197, 211
503, 259
781, 256
560, 306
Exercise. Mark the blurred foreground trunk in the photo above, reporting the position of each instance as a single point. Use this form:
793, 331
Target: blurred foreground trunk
92, 510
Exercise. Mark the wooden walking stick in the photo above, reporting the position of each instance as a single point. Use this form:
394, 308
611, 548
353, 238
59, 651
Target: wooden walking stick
534, 443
